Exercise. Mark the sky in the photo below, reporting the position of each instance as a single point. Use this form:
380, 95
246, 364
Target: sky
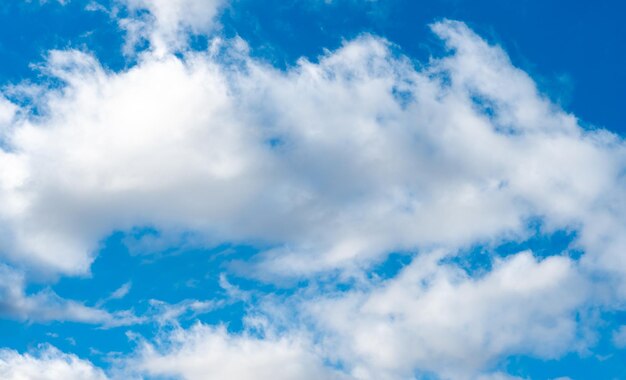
312, 189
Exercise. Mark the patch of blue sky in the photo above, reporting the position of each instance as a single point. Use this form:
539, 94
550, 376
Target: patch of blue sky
479, 259
604, 362
87, 341
29, 29
392, 265
170, 276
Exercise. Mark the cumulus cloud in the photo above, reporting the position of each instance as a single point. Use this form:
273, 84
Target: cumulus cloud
331, 164
7, 112
204, 352
435, 318
47, 363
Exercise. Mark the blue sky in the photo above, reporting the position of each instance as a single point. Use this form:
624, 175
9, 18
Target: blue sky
342, 189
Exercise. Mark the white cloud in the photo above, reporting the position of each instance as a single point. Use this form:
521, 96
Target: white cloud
204, 352
7, 113
619, 337
122, 291
47, 363
358, 138
45, 305
170, 314
434, 317
168, 23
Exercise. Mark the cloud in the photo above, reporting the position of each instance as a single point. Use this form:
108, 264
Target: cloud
619, 337
122, 291
435, 318
167, 23
47, 363
163, 313
46, 305
206, 352
7, 113
308, 162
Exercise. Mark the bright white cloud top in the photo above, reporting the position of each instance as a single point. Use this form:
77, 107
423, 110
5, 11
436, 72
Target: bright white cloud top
330, 166
47, 364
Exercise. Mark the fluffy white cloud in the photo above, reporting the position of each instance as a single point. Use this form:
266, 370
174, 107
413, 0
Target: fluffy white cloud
334, 164
7, 112
204, 352
434, 317
47, 363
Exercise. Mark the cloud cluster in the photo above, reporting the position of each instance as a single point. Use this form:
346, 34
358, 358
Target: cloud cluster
47, 363
329, 166
437, 319
433, 318
203, 352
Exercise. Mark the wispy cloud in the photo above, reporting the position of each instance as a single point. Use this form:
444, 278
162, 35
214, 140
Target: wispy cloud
47, 306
